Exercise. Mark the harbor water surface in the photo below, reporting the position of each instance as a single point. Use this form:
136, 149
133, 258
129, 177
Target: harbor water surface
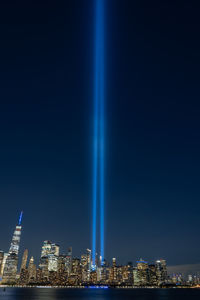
100, 294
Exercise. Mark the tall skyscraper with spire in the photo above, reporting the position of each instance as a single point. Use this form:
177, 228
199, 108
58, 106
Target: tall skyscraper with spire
14, 246
10, 268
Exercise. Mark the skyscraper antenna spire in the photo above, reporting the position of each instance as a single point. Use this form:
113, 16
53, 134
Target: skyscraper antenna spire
20, 218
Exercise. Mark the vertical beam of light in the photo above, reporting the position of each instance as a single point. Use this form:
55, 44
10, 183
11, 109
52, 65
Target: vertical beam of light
98, 154
95, 145
101, 129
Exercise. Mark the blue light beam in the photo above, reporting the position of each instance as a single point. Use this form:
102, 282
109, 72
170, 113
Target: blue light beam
20, 218
98, 143
101, 133
95, 142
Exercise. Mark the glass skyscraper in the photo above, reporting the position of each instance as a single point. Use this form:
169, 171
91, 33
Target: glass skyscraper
10, 268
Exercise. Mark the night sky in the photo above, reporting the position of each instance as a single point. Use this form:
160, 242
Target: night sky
152, 138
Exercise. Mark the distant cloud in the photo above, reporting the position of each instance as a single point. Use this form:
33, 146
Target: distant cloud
193, 269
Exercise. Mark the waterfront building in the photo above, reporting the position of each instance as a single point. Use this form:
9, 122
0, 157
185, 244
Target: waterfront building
68, 261
24, 260
43, 266
53, 278
86, 265
143, 272
75, 275
136, 279
93, 277
62, 273
10, 267
161, 271
84, 268
49, 259
153, 280
31, 271
113, 272
89, 263
39, 276
105, 271
127, 275
14, 246
1, 261
52, 263
24, 277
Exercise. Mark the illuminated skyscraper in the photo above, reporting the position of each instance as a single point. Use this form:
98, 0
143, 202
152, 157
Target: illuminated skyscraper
142, 271
161, 271
75, 276
31, 270
49, 248
14, 247
52, 263
55, 249
127, 274
49, 258
68, 261
86, 265
10, 268
24, 260
136, 279
1, 261
46, 248
152, 275
43, 266
62, 270
113, 272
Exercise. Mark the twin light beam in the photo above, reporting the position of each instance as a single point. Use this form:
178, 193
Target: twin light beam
98, 147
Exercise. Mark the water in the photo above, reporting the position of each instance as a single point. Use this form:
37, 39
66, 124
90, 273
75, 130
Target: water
90, 294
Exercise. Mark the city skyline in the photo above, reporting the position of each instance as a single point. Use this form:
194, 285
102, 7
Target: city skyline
63, 269
152, 127
11, 263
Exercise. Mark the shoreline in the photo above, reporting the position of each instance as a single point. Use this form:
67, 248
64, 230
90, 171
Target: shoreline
97, 287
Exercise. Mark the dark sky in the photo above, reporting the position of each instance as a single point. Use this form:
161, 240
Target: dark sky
152, 134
